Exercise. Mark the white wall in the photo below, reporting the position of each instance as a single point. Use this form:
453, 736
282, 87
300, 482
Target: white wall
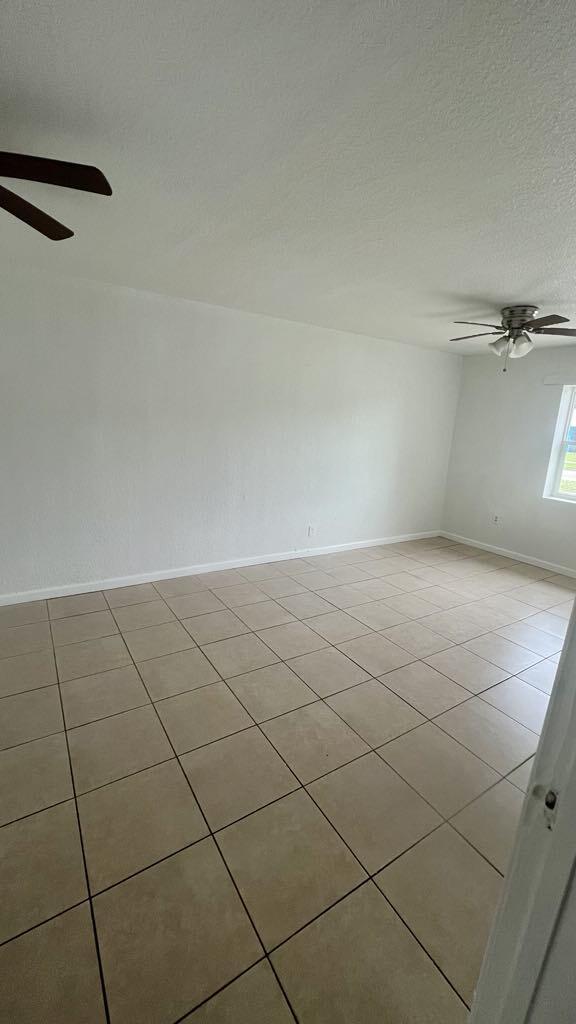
144, 434
502, 441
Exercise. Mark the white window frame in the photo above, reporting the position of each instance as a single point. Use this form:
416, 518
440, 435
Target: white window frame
559, 446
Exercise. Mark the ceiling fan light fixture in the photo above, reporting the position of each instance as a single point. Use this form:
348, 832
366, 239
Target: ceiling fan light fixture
499, 347
521, 346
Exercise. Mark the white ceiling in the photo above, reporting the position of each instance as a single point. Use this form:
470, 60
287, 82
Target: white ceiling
379, 166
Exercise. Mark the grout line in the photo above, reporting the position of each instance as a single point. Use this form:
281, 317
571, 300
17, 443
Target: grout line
213, 833
219, 990
43, 686
32, 927
84, 861
429, 955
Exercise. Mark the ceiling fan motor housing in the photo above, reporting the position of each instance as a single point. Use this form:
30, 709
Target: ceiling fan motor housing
514, 318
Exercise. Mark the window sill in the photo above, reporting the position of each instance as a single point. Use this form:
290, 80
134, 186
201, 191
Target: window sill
556, 497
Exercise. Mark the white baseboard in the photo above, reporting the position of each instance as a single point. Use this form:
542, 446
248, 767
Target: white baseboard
517, 555
86, 587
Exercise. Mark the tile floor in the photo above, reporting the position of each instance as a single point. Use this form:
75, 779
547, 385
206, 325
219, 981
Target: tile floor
283, 792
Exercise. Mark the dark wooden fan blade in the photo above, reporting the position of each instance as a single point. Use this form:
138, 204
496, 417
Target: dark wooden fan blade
565, 332
31, 215
476, 323
544, 321
485, 334
54, 172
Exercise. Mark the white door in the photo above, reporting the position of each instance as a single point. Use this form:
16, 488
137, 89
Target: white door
529, 970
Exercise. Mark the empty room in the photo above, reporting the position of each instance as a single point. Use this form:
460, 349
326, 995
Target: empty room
288, 512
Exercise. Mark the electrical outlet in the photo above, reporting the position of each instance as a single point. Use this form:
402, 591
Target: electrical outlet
311, 530
497, 520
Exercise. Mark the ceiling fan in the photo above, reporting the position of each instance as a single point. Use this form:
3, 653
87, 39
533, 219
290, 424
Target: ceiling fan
518, 323
52, 172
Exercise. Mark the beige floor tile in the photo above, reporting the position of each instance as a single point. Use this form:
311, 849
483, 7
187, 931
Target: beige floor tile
347, 574
313, 741
53, 973
406, 582
564, 610
292, 639
490, 734
138, 616
239, 654
206, 629
377, 589
442, 597
28, 716
505, 603
542, 595
447, 894
77, 628
549, 622
156, 641
374, 811
27, 672
130, 824
41, 868
467, 669
444, 772
282, 587
568, 582
271, 691
263, 614
201, 716
411, 606
221, 578
328, 671
195, 604
506, 655
171, 936
490, 822
376, 654
255, 998
374, 712
394, 565
237, 775
345, 597
520, 777
180, 586
289, 865
106, 693
241, 594
33, 776
337, 627
417, 639
137, 594
107, 750
456, 624
177, 673
377, 615
523, 702
332, 971
263, 571
77, 604
424, 688
24, 639
292, 566
306, 605
22, 614
315, 580
85, 659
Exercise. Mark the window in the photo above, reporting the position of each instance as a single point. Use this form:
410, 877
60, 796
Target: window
561, 479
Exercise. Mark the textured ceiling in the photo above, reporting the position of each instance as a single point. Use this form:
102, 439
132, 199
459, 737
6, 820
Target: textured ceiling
380, 167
